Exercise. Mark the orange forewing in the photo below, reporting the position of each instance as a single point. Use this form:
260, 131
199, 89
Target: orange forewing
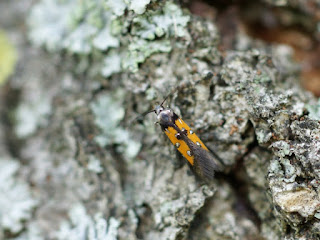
183, 148
193, 137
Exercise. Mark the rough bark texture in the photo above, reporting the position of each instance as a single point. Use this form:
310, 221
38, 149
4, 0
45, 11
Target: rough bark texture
74, 164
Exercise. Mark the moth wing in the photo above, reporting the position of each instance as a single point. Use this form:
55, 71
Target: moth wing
205, 163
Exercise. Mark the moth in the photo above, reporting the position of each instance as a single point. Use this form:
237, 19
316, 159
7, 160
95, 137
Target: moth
202, 160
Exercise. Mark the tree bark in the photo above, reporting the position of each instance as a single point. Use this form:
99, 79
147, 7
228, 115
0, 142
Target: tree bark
76, 164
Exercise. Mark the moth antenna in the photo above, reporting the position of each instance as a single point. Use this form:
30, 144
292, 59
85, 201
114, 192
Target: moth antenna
171, 93
141, 116
144, 114
165, 99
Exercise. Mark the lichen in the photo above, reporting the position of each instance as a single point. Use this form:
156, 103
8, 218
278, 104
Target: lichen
49, 23
141, 49
117, 7
108, 111
138, 6
78, 40
104, 40
169, 21
94, 164
281, 148
83, 226
31, 114
314, 110
96, 25
291, 159
33, 232
111, 64
71, 25
164, 23
16, 202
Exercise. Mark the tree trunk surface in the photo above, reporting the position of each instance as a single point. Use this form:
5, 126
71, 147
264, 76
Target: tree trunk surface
77, 163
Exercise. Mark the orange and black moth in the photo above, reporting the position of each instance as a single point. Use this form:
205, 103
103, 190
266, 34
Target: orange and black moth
203, 162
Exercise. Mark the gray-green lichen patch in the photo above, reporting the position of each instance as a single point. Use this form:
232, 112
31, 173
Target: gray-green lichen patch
104, 40
152, 33
172, 205
94, 164
75, 26
314, 110
16, 201
111, 64
141, 49
281, 149
78, 40
290, 196
168, 21
71, 25
222, 221
32, 232
296, 159
118, 7
256, 166
138, 6
49, 23
96, 25
275, 115
83, 226
108, 112
31, 115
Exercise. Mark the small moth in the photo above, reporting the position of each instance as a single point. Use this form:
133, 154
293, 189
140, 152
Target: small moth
202, 161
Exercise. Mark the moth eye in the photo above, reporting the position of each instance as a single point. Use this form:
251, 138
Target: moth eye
177, 145
178, 136
189, 153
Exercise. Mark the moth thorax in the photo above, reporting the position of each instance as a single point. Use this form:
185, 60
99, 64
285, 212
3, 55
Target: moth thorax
164, 117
